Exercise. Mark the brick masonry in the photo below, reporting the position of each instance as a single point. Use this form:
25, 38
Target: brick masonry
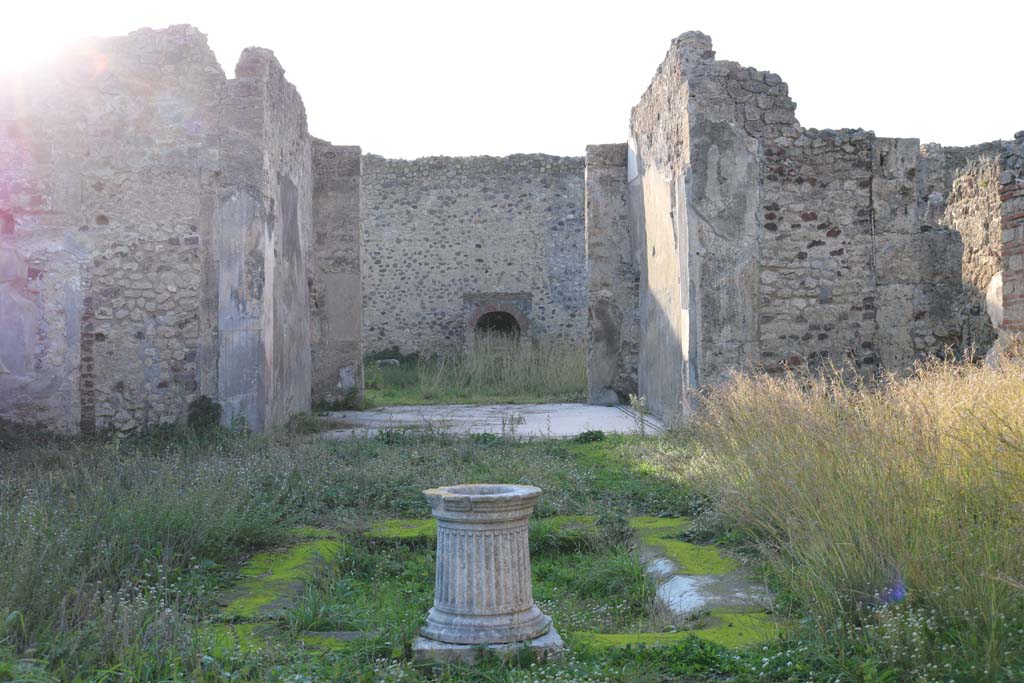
1011, 210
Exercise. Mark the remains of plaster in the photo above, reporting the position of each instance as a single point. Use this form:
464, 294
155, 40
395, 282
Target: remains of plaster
613, 275
764, 245
167, 232
164, 214
336, 291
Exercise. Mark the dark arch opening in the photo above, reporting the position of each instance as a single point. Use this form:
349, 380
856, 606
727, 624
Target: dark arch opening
498, 323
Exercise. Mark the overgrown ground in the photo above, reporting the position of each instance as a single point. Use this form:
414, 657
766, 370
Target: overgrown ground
891, 525
115, 551
496, 369
892, 519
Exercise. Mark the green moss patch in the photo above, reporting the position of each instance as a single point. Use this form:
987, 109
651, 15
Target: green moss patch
726, 629
660, 526
662, 534
224, 640
271, 580
403, 529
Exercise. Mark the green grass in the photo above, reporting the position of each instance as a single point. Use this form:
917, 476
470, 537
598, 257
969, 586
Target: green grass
115, 549
495, 369
387, 589
890, 523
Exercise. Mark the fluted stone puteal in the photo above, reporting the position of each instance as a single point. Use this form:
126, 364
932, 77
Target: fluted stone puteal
483, 589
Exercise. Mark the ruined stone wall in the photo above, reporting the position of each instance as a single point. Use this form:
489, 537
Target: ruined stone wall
156, 219
657, 153
336, 289
766, 245
694, 198
288, 162
859, 279
1011, 212
962, 193
105, 159
817, 250
613, 278
445, 238
258, 222
901, 242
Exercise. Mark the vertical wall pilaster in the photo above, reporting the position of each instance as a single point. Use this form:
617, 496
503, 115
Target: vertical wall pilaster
613, 278
336, 284
1011, 197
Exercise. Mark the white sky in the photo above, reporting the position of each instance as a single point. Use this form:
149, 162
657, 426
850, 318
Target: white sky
410, 79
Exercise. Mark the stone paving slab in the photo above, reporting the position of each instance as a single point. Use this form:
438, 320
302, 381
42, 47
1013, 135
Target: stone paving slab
533, 420
686, 596
706, 593
694, 580
541, 648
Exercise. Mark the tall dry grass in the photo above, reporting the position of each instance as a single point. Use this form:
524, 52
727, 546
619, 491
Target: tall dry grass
894, 516
502, 366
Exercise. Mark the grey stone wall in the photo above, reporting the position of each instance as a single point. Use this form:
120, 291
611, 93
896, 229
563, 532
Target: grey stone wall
971, 206
613, 276
336, 289
154, 223
166, 232
858, 278
443, 236
658, 152
1011, 212
816, 252
106, 159
765, 245
694, 197
262, 222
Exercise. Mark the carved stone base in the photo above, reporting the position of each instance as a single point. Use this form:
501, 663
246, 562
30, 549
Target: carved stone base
461, 629
542, 648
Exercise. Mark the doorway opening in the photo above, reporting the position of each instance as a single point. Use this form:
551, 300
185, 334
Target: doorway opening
498, 323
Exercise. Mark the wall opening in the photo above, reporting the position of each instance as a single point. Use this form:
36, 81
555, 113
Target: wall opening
498, 323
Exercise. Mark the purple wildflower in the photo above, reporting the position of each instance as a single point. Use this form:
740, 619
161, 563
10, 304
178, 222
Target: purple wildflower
894, 593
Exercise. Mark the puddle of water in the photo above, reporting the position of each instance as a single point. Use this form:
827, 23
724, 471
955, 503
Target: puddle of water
682, 595
661, 567
685, 595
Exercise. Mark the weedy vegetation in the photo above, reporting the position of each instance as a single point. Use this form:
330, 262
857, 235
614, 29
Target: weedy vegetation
888, 520
495, 369
891, 518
